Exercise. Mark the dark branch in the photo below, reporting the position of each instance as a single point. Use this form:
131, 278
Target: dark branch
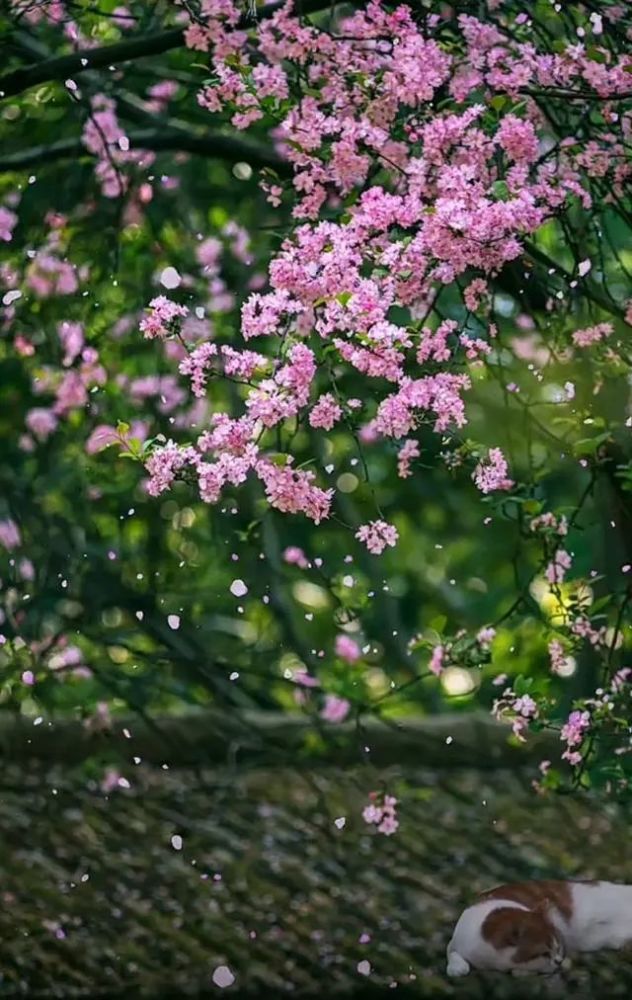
212, 145
589, 290
63, 67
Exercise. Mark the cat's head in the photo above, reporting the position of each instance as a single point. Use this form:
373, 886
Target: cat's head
531, 938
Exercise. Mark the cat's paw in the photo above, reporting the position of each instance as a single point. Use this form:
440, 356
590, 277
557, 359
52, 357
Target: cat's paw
457, 965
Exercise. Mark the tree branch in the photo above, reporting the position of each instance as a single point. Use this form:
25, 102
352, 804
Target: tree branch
63, 67
589, 290
212, 145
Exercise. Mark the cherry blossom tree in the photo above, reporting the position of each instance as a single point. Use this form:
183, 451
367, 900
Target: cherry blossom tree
420, 302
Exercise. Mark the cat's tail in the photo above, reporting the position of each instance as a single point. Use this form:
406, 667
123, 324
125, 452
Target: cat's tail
457, 965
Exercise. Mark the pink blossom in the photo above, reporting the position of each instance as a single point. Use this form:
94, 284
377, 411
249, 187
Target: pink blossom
100, 438
8, 222
10, 537
436, 664
293, 491
295, 557
520, 710
162, 320
242, 364
592, 334
122, 18
486, 636
48, 275
26, 570
335, 709
582, 627
408, 452
558, 656
71, 393
556, 569
325, 413
474, 293
304, 679
41, 422
164, 464
372, 813
382, 813
197, 364
518, 139
573, 734
621, 678
66, 656
376, 535
23, 347
526, 706
111, 780
549, 522
491, 474
72, 340
347, 649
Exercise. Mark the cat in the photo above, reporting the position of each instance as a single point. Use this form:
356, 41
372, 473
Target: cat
529, 927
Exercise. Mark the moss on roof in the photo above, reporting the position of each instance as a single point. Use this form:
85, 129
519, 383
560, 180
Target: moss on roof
97, 902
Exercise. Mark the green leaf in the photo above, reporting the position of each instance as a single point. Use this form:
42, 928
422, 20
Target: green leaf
498, 102
438, 623
522, 685
589, 446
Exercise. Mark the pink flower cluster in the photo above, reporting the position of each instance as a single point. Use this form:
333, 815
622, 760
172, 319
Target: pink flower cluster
47, 275
457, 196
592, 334
377, 535
325, 413
382, 813
491, 473
104, 137
436, 664
335, 710
573, 734
485, 636
408, 452
583, 628
549, 523
296, 557
347, 648
8, 222
457, 192
163, 318
557, 568
558, 655
518, 709
80, 371
10, 537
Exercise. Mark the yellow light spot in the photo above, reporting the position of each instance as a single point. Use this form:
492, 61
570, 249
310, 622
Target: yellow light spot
458, 681
310, 594
347, 482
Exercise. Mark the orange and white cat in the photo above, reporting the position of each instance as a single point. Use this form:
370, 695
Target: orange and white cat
529, 927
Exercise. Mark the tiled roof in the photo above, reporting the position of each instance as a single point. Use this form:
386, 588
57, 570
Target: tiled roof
97, 900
